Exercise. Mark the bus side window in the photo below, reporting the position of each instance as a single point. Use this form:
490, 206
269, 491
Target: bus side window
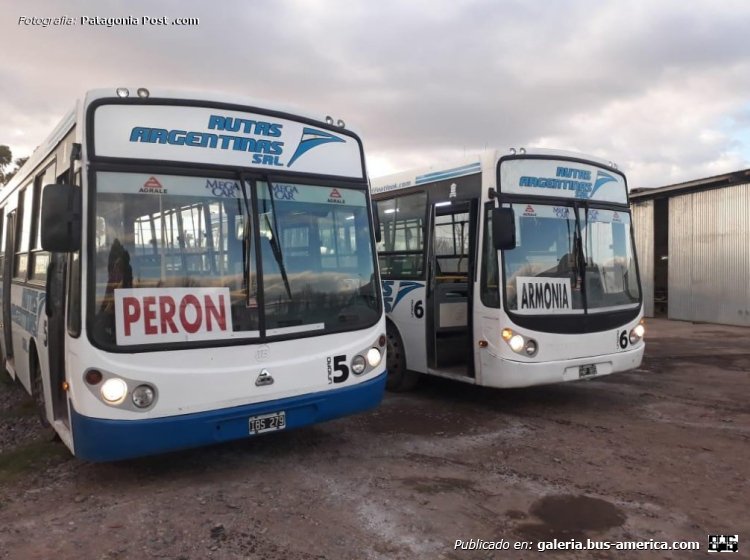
490, 283
401, 249
38, 259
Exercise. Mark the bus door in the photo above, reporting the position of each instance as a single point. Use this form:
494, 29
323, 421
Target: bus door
449, 301
56, 327
7, 324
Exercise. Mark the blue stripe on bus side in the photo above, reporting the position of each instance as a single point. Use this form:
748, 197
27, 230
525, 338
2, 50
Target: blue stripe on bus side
97, 439
448, 173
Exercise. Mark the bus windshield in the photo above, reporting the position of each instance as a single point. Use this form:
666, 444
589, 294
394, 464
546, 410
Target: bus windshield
561, 267
170, 251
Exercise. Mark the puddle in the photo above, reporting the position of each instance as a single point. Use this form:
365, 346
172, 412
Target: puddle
571, 517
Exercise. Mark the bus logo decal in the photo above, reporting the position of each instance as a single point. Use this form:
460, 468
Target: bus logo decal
529, 211
311, 138
153, 186
335, 197
403, 289
602, 179
284, 192
223, 189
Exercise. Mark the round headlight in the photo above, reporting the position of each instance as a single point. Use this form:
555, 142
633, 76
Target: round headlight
114, 390
143, 396
636, 334
531, 347
373, 357
358, 364
516, 342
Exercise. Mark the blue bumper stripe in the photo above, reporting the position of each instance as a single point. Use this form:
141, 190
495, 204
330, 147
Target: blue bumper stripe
97, 439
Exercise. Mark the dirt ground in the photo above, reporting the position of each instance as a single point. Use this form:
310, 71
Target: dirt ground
656, 454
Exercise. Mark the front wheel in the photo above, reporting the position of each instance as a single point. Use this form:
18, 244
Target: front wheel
37, 393
399, 378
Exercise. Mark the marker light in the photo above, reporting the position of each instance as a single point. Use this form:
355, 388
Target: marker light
381, 340
358, 364
143, 396
122, 92
373, 357
340, 123
516, 343
93, 377
143, 92
329, 120
507, 334
114, 390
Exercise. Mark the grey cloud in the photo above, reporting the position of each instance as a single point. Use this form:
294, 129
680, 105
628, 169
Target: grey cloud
657, 85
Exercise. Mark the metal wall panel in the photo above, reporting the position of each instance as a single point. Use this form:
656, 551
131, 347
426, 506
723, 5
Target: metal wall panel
643, 229
709, 256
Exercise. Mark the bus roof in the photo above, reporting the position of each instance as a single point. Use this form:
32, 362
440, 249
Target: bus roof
43, 150
467, 166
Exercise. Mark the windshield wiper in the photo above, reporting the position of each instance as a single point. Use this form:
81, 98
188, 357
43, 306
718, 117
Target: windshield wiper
246, 239
275, 247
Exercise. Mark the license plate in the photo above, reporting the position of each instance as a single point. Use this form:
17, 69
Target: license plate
587, 370
267, 422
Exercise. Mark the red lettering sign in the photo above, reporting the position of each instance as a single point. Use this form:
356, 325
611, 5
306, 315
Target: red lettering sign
157, 315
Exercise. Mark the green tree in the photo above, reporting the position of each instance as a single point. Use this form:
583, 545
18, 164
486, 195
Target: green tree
6, 158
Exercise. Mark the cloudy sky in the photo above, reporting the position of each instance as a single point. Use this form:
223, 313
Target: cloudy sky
661, 87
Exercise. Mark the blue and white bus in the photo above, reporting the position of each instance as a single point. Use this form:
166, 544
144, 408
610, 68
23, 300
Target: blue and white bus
509, 270
180, 270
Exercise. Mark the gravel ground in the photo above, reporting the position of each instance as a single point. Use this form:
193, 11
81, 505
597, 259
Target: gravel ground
659, 453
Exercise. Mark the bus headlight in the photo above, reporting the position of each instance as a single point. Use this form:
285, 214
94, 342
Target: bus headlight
143, 396
373, 357
636, 334
114, 390
516, 343
519, 343
358, 364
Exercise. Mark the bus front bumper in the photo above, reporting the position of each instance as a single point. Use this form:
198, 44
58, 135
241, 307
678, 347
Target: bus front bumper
501, 373
98, 439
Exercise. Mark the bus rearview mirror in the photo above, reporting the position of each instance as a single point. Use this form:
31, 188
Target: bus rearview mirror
61, 218
503, 228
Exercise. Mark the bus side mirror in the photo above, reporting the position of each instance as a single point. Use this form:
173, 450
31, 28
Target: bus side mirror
61, 218
503, 228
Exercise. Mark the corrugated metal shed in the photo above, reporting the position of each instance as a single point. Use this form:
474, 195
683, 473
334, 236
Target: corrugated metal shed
643, 227
709, 247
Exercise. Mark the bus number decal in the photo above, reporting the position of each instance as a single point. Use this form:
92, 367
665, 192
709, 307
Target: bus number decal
417, 310
338, 364
622, 339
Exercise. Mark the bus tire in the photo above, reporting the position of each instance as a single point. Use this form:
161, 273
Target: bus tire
37, 392
399, 378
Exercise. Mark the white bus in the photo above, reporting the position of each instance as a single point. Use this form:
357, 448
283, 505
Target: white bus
180, 270
509, 270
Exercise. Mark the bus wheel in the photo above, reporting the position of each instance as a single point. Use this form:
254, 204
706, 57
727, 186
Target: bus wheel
37, 393
399, 378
